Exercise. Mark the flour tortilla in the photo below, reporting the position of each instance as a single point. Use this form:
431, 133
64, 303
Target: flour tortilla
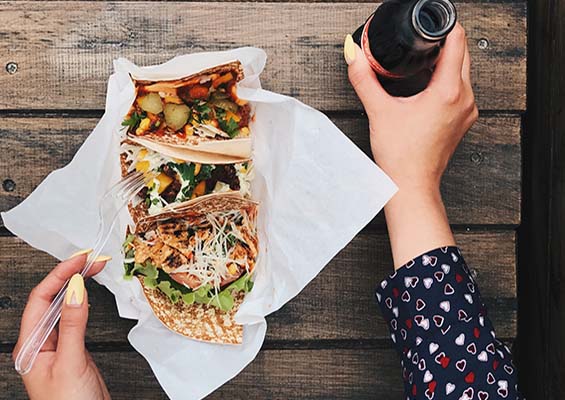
196, 321
201, 205
237, 148
199, 321
138, 211
208, 152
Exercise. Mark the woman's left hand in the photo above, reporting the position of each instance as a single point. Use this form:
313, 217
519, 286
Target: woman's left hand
63, 369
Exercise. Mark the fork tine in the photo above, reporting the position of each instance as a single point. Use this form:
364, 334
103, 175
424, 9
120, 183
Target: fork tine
129, 182
133, 187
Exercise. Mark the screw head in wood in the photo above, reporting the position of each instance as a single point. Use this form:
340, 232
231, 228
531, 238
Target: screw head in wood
12, 67
477, 157
9, 185
483, 44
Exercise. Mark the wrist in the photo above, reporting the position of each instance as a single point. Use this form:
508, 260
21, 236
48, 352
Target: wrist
417, 222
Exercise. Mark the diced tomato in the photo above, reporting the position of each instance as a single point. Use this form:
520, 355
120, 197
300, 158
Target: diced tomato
198, 92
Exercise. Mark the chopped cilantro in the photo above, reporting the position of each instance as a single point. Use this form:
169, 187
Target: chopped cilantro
133, 121
231, 239
227, 125
205, 172
203, 109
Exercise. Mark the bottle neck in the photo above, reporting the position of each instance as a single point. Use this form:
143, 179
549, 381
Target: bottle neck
432, 20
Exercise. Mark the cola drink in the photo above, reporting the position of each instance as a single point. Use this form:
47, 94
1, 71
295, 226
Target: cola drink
402, 40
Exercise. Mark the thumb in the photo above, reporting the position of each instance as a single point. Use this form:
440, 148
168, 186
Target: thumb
362, 76
72, 327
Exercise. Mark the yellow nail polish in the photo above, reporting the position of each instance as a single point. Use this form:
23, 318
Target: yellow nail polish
80, 253
349, 51
75, 291
102, 258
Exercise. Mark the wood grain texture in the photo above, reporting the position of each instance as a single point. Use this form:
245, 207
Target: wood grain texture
274, 374
64, 50
541, 246
338, 304
288, 374
481, 186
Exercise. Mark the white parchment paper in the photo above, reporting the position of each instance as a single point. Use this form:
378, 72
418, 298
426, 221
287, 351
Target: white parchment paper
316, 188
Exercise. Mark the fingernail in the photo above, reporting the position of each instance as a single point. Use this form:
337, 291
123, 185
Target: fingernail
102, 258
75, 291
80, 253
349, 52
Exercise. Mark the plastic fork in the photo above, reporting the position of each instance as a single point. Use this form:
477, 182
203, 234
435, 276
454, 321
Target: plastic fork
113, 201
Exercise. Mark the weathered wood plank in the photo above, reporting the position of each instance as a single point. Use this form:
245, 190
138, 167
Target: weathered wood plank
290, 374
485, 169
274, 374
338, 304
64, 50
300, 1
541, 349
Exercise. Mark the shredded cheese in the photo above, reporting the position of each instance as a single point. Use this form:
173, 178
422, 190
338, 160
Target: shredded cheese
213, 253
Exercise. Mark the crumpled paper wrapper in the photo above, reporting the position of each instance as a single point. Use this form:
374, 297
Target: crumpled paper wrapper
316, 188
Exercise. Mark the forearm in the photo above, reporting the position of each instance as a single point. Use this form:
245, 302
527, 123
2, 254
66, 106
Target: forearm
417, 222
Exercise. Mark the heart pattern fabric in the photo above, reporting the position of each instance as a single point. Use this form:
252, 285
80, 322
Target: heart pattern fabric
447, 343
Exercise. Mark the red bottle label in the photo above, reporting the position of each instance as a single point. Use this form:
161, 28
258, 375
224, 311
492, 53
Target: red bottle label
377, 67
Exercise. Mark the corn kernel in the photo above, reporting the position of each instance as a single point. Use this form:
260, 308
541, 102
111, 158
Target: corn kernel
188, 130
232, 269
230, 115
244, 131
145, 124
197, 168
164, 181
142, 166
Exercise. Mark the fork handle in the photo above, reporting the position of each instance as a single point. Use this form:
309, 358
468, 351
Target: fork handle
38, 336
35, 341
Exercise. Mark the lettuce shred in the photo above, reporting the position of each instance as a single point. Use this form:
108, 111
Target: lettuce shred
156, 278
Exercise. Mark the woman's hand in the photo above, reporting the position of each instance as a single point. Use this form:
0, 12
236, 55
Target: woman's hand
413, 139
63, 369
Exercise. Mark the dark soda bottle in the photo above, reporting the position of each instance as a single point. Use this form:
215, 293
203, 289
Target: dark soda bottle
402, 40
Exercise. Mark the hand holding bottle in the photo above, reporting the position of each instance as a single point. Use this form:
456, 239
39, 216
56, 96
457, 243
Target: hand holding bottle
413, 139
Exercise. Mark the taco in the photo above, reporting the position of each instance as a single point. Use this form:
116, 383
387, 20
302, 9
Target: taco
196, 264
177, 182
200, 112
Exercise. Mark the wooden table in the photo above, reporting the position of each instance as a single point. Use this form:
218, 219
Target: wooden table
329, 342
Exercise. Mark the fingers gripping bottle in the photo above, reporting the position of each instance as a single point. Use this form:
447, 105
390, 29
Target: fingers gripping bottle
402, 40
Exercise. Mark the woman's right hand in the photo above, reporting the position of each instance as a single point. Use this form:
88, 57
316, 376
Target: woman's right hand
413, 138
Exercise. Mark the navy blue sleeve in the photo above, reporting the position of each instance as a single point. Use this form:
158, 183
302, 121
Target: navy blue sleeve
441, 330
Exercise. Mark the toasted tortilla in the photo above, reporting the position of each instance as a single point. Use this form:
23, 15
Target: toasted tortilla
231, 149
201, 205
138, 212
162, 86
206, 152
196, 321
